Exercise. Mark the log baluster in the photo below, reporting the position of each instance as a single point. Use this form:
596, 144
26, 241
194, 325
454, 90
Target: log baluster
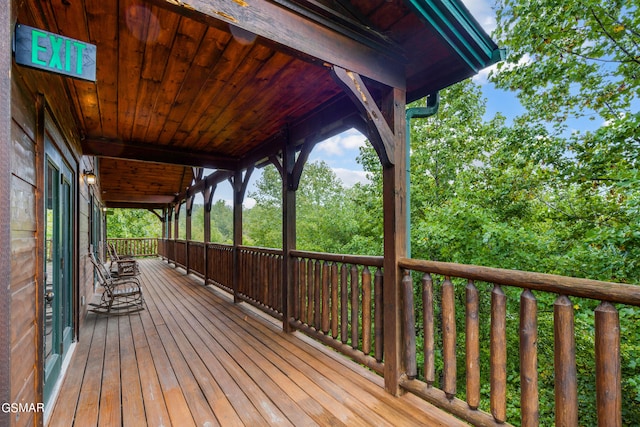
344, 304
325, 297
608, 371
309, 292
355, 307
472, 345
334, 300
378, 317
566, 386
317, 286
529, 400
303, 292
366, 311
409, 326
498, 360
427, 327
296, 288
449, 338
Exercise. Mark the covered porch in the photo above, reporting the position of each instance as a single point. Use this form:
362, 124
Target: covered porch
195, 358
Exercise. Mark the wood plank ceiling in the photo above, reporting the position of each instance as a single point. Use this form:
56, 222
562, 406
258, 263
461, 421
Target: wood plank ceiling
178, 87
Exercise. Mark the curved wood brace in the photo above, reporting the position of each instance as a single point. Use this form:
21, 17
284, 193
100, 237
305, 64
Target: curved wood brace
240, 184
380, 133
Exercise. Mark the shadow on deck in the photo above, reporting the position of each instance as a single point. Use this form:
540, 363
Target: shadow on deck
195, 358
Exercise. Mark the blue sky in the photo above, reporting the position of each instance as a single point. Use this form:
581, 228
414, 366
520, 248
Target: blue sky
341, 151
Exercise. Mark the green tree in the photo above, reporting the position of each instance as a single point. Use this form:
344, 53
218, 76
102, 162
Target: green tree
326, 212
132, 223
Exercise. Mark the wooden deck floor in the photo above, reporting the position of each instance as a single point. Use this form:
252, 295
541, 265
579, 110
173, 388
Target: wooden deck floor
195, 358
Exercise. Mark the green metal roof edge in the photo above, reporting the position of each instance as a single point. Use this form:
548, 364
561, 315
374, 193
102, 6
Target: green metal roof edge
455, 24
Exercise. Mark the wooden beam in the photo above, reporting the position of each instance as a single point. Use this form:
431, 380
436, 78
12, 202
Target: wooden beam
380, 134
6, 149
155, 153
304, 32
134, 205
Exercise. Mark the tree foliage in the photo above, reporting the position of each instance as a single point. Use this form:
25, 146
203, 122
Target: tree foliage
131, 223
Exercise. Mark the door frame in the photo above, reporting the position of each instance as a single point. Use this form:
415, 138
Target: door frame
48, 133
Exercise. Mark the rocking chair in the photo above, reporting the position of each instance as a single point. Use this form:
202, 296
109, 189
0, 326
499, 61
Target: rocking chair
124, 266
121, 295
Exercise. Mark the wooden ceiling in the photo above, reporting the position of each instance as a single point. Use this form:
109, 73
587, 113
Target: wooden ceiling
191, 85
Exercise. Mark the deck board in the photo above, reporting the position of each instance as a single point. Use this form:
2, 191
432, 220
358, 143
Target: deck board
195, 358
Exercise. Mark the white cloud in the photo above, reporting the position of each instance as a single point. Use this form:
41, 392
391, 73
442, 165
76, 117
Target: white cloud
350, 177
482, 78
339, 144
249, 202
483, 13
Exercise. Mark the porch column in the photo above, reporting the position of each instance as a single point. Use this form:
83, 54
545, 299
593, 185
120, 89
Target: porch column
6, 148
384, 125
237, 233
395, 239
289, 188
188, 231
208, 199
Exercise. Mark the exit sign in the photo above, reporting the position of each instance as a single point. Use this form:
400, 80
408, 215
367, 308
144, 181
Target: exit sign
53, 52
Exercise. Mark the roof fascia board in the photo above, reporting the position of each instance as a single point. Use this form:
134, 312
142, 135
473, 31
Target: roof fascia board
455, 24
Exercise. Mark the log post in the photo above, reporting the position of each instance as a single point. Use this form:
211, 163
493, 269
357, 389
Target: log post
498, 354
472, 345
366, 311
608, 371
529, 359
427, 326
409, 326
566, 384
449, 374
378, 319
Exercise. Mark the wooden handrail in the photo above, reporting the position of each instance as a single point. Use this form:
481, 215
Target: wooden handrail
370, 261
562, 285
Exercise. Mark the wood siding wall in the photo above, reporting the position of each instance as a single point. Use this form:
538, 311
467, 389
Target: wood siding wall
24, 254
27, 230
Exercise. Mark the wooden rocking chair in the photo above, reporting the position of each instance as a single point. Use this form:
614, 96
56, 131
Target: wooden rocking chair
121, 295
124, 266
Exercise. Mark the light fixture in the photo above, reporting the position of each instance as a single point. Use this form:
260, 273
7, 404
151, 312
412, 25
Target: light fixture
90, 177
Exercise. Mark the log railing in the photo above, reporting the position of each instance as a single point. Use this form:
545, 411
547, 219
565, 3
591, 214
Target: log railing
220, 266
337, 299
180, 253
135, 247
196, 258
260, 278
440, 301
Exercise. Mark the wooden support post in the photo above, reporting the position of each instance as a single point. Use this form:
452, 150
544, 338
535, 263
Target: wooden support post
239, 187
188, 232
385, 128
289, 187
208, 198
169, 222
395, 238
6, 148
